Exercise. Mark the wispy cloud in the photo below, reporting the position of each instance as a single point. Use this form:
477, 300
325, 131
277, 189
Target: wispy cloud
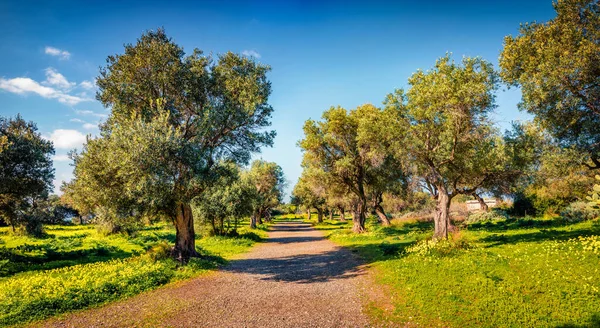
66, 139
251, 53
54, 78
25, 85
88, 85
61, 158
89, 126
91, 113
62, 54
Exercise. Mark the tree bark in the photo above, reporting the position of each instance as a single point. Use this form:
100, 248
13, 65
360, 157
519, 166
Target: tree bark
383, 219
331, 214
358, 219
320, 215
185, 238
342, 213
482, 205
308, 214
442, 217
253, 220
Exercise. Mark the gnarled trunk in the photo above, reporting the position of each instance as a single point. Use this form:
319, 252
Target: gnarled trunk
482, 205
442, 218
359, 216
320, 215
342, 213
185, 238
383, 219
254, 219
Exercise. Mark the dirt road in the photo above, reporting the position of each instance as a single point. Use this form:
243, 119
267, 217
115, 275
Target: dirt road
295, 279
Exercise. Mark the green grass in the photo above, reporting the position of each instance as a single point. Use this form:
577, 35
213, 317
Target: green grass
75, 267
513, 273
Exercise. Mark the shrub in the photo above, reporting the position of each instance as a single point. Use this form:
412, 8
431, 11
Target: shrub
438, 248
579, 211
490, 216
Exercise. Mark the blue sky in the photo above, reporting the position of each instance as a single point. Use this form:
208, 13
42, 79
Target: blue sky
322, 54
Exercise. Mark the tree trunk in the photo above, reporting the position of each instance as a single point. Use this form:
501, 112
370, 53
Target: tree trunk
308, 214
358, 218
383, 219
482, 205
253, 220
342, 213
320, 215
442, 217
185, 238
331, 214
259, 217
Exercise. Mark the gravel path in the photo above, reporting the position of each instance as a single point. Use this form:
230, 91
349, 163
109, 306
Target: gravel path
295, 279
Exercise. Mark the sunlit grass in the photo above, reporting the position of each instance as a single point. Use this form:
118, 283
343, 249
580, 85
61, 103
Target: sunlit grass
75, 267
515, 273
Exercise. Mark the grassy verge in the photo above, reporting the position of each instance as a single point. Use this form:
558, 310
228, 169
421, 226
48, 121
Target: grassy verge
75, 267
513, 273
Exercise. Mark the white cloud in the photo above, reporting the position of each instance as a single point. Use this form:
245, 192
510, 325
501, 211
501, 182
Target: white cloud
89, 85
90, 113
61, 158
89, 126
66, 139
25, 85
54, 78
251, 53
76, 120
62, 54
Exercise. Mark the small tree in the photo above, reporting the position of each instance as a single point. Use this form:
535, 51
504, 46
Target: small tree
26, 172
228, 199
268, 182
310, 192
557, 66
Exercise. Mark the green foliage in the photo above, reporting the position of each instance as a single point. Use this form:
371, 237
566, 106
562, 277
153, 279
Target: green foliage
228, 199
441, 126
26, 172
579, 211
173, 119
267, 183
594, 197
557, 65
486, 216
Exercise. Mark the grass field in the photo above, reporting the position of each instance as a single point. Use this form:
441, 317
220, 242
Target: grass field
75, 267
511, 273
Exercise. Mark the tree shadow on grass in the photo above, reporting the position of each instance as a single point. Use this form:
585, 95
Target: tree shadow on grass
537, 236
594, 321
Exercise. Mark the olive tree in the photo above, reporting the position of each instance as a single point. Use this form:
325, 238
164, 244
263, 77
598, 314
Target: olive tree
173, 117
268, 183
557, 66
26, 171
441, 126
338, 146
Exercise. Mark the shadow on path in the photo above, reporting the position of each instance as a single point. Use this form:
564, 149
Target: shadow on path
319, 259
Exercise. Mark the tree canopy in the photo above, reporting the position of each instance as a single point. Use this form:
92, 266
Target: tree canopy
173, 118
26, 171
557, 66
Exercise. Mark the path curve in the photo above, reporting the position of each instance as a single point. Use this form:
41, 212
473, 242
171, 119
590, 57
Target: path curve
297, 278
